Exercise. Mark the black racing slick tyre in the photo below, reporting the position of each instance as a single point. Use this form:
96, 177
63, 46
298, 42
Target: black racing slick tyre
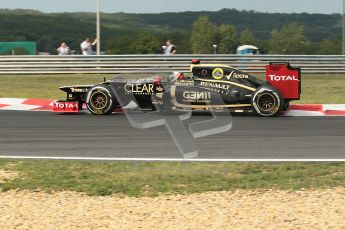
286, 106
268, 101
100, 100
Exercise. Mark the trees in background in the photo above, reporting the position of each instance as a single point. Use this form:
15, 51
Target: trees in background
330, 47
204, 35
145, 43
289, 40
145, 33
120, 45
142, 43
227, 39
247, 37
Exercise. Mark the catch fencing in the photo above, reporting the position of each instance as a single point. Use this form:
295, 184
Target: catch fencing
117, 64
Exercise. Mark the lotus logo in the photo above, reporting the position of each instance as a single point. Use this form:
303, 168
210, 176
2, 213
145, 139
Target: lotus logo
218, 73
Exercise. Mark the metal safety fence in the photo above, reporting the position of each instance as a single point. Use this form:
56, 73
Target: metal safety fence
116, 64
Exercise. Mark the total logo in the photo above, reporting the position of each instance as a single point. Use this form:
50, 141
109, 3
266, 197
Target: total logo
65, 105
274, 77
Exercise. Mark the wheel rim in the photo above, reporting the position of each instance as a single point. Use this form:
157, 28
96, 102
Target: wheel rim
99, 100
266, 102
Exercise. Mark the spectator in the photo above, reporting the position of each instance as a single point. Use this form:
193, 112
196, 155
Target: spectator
86, 46
170, 48
63, 49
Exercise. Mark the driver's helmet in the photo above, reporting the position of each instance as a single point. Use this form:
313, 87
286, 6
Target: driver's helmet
181, 76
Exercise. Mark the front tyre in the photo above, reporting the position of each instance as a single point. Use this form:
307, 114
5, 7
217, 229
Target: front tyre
267, 101
100, 100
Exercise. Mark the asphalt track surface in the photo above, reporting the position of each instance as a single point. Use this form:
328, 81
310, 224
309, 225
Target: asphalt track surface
50, 135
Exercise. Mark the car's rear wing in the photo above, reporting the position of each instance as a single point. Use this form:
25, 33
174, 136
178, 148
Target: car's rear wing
285, 78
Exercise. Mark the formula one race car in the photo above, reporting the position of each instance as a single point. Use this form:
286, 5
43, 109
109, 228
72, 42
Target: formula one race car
207, 86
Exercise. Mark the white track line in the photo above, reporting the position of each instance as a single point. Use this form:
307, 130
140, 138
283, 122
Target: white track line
167, 159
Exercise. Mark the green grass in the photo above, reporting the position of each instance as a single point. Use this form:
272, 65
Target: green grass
153, 179
323, 89
42, 86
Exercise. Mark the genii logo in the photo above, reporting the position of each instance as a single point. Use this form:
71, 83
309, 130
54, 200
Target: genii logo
193, 95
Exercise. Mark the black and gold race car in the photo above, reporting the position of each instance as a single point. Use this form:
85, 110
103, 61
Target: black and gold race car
207, 86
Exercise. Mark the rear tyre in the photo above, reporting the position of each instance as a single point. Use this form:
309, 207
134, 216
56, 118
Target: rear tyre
286, 106
100, 100
267, 101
